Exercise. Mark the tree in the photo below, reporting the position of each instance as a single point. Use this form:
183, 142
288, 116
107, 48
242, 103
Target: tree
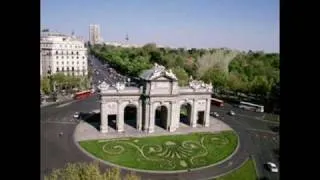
260, 85
181, 75
45, 85
88, 171
217, 77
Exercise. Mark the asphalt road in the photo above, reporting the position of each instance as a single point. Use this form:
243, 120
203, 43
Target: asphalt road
103, 72
56, 151
263, 141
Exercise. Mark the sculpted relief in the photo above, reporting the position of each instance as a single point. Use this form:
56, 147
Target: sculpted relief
112, 108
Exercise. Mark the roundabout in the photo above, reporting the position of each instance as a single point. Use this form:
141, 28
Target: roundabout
167, 154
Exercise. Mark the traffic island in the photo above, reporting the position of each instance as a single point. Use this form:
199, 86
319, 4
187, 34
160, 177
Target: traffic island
170, 153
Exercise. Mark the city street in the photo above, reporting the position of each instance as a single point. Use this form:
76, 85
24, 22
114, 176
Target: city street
57, 150
263, 140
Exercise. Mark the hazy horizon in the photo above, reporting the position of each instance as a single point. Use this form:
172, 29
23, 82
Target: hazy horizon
235, 24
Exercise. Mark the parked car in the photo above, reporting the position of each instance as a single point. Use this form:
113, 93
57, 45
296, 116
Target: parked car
272, 167
232, 113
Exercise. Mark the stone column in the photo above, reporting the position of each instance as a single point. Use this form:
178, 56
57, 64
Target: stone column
147, 115
207, 113
120, 118
103, 117
194, 114
139, 116
151, 118
173, 116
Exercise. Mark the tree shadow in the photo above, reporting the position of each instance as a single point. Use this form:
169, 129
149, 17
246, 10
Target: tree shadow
274, 128
263, 178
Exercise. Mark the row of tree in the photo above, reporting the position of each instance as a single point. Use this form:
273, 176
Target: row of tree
254, 73
88, 171
59, 82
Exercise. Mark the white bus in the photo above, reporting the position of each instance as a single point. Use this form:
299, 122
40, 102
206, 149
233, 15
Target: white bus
251, 106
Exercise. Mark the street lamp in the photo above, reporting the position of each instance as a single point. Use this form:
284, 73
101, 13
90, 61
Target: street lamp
129, 80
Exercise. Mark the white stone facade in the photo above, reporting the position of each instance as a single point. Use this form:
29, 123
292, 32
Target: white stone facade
61, 53
160, 91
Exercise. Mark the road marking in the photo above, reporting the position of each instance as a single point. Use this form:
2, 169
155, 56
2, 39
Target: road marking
56, 122
260, 130
63, 105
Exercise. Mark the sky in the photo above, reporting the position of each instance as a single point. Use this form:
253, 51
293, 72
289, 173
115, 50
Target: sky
235, 24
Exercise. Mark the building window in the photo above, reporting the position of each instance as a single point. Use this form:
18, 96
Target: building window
77, 57
83, 62
62, 69
82, 57
67, 68
67, 52
57, 69
62, 62
72, 62
61, 52
71, 57
72, 68
57, 62
57, 57
57, 52
77, 53
77, 62
67, 57
72, 52
61, 57
67, 62
83, 68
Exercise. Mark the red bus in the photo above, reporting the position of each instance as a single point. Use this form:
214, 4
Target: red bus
217, 102
82, 94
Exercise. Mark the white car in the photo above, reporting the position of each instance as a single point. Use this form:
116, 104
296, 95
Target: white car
215, 114
232, 113
272, 167
76, 115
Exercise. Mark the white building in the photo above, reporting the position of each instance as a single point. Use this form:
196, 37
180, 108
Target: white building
61, 53
94, 34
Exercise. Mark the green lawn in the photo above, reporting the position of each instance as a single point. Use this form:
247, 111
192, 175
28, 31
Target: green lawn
246, 172
176, 152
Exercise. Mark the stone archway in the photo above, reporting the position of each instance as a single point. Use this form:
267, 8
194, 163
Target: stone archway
201, 118
185, 113
130, 115
161, 116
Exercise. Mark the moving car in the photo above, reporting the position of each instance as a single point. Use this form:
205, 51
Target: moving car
215, 114
272, 167
76, 115
232, 113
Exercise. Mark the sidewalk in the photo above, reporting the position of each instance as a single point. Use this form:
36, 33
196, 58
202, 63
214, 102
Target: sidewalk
61, 99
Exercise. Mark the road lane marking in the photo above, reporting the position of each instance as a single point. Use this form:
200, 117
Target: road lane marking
260, 130
63, 105
56, 122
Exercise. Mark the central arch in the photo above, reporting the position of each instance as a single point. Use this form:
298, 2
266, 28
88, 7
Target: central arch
131, 115
185, 113
161, 117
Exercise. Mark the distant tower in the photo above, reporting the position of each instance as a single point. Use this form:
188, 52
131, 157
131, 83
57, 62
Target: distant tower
72, 33
94, 34
127, 38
